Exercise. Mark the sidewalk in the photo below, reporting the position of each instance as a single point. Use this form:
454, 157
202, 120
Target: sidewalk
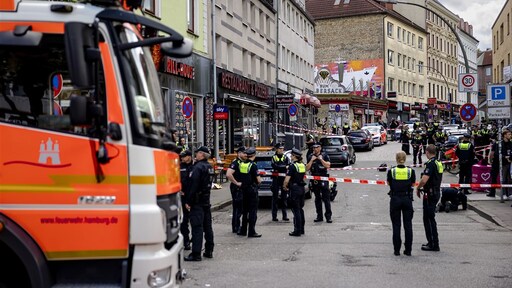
491, 208
220, 198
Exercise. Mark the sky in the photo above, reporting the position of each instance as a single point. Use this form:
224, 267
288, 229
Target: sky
479, 13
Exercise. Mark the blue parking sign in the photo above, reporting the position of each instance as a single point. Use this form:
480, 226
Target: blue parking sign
498, 95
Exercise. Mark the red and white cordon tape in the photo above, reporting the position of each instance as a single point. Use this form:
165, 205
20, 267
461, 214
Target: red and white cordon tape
304, 129
384, 182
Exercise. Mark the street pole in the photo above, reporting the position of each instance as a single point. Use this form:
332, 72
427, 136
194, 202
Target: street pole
500, 122
466, 63
214, 80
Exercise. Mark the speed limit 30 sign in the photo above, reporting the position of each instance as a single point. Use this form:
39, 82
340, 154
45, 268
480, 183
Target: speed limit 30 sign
468, 82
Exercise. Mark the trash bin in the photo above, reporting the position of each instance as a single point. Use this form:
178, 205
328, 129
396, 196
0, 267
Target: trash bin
294, 140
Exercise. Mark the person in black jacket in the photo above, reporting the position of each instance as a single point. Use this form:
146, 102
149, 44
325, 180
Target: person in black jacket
416, 142
294, 182
233, 175
466, 154
198, 203
405, 136
279, 164
185, 169
318, 163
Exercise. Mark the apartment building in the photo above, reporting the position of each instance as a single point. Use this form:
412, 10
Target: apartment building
470, 46
502, 45
360, 47
484, 63
442, 59
295, 57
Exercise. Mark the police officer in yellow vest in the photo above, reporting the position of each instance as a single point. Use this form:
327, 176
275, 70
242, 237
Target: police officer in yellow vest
279, 165
401, 181
430, 186
466, 154
249, 186
416, 142
294, 182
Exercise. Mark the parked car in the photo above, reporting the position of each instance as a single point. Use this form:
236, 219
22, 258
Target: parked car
379, 134
452, 141
361, 139
339, 149
264, 161
450, 127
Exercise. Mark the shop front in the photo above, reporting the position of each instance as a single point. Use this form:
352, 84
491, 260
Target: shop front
185, 84
420, 111
250, 119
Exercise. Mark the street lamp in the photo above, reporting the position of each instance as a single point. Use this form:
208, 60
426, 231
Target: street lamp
466, 63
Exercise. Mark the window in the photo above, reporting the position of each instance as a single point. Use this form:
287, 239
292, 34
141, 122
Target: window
408, 38
413, 40
420, 43
390, 57
421, 92
501, 33
399, 86
152, 6
508, 24
409, 89
403, 34
413, 89
398, 32
420, 67
413, 64
408, 63
399, 60
191, 10
390, 29
391, 84
404, 87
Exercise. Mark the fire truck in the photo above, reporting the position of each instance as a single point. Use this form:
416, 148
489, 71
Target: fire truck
89, 182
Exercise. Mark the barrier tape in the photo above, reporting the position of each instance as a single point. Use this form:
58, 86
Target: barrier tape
304, 129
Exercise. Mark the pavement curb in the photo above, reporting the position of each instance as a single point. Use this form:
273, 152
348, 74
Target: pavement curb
490, 217
221, 205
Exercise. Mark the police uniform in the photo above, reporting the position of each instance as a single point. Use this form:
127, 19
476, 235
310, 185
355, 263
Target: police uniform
320, 188
309, 143
279, 164
430, 134
201, 179
236, 194
401, 179
296, 185
432, 191
451, 198
439, 137
248, 176
466, 154
185, 170
404, 139
346, 128
417, 142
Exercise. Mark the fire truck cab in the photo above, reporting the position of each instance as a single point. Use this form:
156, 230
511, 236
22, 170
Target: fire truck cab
89, 185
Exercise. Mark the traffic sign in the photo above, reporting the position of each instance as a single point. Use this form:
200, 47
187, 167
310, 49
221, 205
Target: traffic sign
498, 95
57, 83
498, 112
292, 110
337, 108
468, 82
187, 107
467, 112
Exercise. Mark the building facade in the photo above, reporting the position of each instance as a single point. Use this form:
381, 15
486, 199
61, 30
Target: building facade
360, 61
245, 39
484, 63
470, 45
295, 59
502, 45
442, 60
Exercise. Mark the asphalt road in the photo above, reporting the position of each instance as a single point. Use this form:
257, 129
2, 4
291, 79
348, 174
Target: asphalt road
356, 250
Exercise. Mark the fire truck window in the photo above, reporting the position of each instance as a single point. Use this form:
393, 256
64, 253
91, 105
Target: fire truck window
35, 88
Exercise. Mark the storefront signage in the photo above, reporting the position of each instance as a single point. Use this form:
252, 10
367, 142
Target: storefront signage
392, 105
283, 101
358, 111
431, 101
174, 67
220, 112
407, 107
379, 112
338, 107
243, 85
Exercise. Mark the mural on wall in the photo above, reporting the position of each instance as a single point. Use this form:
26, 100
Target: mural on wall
359, 77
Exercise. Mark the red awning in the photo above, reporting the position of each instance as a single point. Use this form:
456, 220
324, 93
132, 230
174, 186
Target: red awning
306, 99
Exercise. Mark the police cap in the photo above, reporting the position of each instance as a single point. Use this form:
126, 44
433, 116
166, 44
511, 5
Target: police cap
296, 152
250, 151
240, 149
279, 146
203, 149
466, 135
186, 153
317, 144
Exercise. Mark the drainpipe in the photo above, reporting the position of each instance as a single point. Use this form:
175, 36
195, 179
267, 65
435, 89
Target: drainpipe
214, 68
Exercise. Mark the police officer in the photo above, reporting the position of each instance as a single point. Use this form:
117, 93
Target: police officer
430, 134
417, 142
294, 182
451, 198
430, 186
279, 165
401, 180
345, 128
198, 203
404, 139
439, 136
249, 186
310, 140
318, 163
233, 175
185, 169
466, 154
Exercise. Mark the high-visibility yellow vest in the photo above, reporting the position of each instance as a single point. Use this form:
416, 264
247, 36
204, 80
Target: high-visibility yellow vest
300, 167
401, 173
245, 167
464, 146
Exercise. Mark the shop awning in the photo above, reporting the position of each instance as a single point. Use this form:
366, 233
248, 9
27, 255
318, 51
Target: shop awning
247, 101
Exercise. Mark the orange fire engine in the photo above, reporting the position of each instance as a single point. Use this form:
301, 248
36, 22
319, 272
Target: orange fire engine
89, 189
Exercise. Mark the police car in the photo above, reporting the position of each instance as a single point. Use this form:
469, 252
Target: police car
264, 161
